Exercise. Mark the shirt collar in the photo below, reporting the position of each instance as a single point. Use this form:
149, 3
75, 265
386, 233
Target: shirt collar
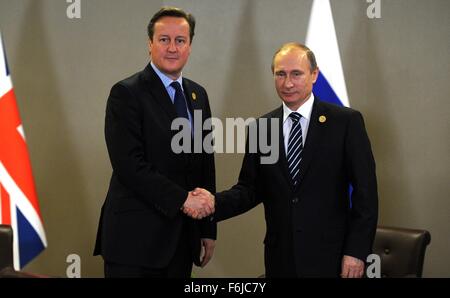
305, 109
165, 79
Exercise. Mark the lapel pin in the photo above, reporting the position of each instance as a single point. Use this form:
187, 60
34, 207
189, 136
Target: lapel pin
322, 119
194, 96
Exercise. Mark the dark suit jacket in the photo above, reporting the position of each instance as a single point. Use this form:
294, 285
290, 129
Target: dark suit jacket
311, 227
141, 220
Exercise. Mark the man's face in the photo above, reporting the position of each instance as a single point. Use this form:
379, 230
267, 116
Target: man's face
171, 46
293, 78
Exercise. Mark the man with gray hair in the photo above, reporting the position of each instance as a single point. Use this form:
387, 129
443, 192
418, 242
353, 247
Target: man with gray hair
314, 228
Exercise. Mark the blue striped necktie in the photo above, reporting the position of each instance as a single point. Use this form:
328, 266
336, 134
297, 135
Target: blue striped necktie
295, 147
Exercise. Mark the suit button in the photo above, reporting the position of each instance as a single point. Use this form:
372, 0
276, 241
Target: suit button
295, 200
387, 251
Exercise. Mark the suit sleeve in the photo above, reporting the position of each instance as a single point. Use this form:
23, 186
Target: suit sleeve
125, 145
242, 196
364, 211
208, 228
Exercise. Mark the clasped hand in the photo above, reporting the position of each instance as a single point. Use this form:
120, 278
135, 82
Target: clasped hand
199, 203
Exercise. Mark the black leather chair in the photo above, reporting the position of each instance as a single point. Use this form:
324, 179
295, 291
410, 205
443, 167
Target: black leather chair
6, 247
402, 251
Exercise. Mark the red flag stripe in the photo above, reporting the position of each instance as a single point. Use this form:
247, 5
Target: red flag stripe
6, 206
13, 149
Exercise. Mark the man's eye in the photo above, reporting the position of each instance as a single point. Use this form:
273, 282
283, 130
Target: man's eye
164, 39
280, 74
180, 41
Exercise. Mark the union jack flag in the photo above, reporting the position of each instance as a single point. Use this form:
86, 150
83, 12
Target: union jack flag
19, 205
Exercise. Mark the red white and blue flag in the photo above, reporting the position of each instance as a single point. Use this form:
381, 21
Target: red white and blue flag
19, 205
321, 39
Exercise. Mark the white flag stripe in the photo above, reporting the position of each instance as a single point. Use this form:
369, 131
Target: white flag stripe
1, 221
321, 39
21, 131
5, 85
18, 198
13, 212
5, 80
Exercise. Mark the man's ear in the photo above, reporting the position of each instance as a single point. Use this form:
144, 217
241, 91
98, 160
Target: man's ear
150, 43
315, 74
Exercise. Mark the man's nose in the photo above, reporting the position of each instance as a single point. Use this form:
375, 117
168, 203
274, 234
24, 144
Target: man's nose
172, 47
288, 82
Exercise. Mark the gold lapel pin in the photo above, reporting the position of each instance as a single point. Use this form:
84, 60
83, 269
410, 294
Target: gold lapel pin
322, 119
194, 96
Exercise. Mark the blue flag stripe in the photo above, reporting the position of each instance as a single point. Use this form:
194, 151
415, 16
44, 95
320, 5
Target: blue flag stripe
30, 245
324, 91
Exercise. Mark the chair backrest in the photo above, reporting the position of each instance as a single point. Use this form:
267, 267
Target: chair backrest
402, 251
6, 246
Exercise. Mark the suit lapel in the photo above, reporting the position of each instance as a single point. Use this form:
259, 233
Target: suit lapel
312, 139
191, 97
159, 92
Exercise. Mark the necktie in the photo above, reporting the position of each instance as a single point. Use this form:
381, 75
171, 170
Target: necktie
179, 101
295, 147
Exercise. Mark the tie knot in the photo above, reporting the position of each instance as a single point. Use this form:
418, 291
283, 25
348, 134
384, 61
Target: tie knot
175, 85
295, 116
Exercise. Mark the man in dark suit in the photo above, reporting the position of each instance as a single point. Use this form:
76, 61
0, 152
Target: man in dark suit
143, 231
313, 228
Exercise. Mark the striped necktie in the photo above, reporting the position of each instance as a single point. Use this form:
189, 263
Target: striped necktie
295, 147
179, 101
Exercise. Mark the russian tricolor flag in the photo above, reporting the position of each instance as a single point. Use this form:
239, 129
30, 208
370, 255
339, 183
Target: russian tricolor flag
321, 39
19, 205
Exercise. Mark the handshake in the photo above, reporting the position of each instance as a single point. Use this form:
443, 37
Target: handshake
199, 203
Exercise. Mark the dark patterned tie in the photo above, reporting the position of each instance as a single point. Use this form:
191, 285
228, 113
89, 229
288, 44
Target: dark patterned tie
295, 147
179, 101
